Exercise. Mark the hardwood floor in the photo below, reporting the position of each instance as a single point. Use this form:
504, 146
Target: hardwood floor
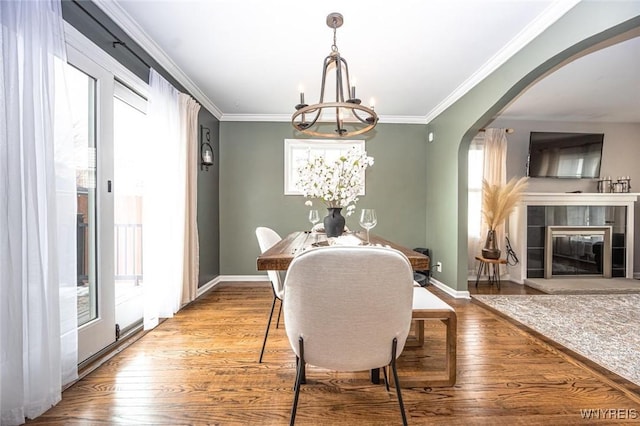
200, 367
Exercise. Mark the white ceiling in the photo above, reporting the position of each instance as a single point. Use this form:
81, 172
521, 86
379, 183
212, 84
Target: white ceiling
247, 59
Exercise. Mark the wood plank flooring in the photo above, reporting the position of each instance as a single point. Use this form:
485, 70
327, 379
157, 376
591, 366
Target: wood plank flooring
200, 367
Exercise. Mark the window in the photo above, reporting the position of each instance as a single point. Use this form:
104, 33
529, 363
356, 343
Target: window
129, 145
297, 150
475, 176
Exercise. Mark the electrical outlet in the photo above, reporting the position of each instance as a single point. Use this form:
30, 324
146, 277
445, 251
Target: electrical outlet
439, 267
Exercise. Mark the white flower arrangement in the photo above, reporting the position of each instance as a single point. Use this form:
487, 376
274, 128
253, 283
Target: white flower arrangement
336, 183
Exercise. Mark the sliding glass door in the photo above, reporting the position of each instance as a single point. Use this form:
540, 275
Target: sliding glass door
108, 120
129, 145
89, 89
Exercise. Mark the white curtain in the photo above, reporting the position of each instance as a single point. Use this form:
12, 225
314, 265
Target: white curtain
168, 175
189, 130
38, 326
493, 144
495, 171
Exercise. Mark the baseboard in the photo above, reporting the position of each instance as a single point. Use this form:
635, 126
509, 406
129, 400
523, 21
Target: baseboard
251, 279
236, 280
241, 278
208, 286
636, 275
451, 292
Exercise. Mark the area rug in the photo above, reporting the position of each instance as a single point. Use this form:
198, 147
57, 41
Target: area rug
589, 285
602, 328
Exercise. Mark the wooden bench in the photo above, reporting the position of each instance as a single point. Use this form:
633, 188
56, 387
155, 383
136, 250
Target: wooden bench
428, 306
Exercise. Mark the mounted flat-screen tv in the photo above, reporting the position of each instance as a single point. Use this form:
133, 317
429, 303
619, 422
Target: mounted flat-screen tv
565, 155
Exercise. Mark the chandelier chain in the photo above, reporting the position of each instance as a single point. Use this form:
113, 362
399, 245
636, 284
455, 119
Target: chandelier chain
334, 47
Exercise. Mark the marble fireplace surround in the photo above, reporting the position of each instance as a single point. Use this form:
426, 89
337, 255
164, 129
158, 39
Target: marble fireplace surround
518, 222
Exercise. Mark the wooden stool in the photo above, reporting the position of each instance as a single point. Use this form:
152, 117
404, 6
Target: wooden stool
492, 268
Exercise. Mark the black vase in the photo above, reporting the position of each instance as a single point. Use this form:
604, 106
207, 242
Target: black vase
491, 250
334, 222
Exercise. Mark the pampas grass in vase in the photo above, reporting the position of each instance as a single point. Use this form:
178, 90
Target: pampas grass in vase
498, 201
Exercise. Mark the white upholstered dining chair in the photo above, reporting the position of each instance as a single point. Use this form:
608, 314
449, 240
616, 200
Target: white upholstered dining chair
267, 237
348, 309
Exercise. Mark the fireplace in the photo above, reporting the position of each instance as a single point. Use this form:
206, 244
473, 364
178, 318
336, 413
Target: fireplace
578, 251
589, 234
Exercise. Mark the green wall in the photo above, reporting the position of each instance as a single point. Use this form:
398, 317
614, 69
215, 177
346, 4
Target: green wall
209, 203
586, 24
252, 188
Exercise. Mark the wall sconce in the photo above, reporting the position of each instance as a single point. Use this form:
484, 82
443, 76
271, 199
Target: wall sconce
206, 151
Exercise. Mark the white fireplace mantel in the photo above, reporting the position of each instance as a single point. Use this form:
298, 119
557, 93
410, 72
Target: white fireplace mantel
579, 199
518, 221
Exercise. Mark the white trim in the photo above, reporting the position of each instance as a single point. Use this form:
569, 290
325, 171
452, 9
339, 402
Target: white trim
237, 279
133, 30
280, 118
548, 17
208, 286
240, 278
579, 199
285, 118
402, 119
458, 294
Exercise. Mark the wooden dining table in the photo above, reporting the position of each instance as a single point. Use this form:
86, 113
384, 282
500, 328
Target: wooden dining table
278, 257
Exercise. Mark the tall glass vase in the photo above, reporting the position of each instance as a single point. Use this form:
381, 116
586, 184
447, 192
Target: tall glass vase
491, 250
334, 222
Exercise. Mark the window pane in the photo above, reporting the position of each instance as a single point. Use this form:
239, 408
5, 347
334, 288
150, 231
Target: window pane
475, 175
81, 92
129, 143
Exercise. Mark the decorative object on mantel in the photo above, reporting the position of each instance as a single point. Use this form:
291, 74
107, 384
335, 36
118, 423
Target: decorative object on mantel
206, 151
607, 185
498, 201
358, 118
336, 183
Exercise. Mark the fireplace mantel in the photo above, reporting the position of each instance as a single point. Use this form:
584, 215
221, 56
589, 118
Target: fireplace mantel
578, 199
518, 222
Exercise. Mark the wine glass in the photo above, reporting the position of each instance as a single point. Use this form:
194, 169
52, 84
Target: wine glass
368, 220
314, 217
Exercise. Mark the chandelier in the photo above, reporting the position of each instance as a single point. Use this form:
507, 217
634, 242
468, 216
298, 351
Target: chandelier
351, 118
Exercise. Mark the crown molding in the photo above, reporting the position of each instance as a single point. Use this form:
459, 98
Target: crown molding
285, 118
548, 17
402, 119
133, 30
281, 118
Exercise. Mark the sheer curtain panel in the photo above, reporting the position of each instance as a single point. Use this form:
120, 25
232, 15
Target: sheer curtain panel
163, 217
38, 336
495, 173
